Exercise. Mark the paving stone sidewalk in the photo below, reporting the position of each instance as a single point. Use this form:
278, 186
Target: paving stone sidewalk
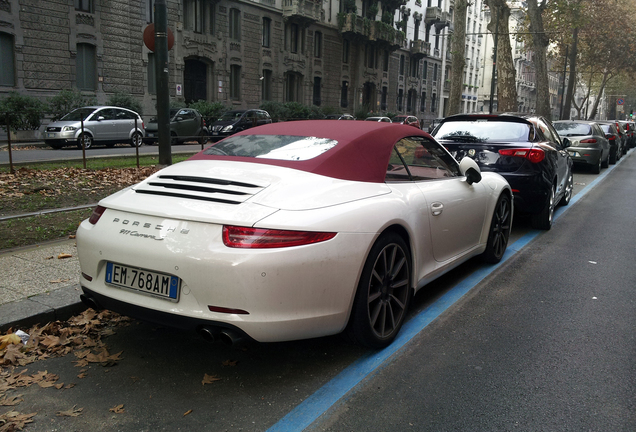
38, 284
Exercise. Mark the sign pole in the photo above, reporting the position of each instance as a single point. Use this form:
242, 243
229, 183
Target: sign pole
161, 72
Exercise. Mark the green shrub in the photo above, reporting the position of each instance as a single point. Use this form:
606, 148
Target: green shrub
124, 100
297, 111
210, 111
362, 112
330, 110
278, 111
315, 113
21, 112
66, 101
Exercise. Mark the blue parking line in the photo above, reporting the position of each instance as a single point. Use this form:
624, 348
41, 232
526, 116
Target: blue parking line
341, 387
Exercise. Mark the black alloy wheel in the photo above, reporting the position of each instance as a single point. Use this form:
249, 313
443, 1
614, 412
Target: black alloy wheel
596, 168
543, 220
569, 189
499, 230
383, 293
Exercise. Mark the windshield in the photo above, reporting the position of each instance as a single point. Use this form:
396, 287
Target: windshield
78, 114
485, 131
231, 115
280, 147
572, 129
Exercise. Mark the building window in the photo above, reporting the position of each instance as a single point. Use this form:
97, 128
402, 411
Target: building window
267, 32
317, 44
344, 97
385, 60
84, 6
193, 15
423, 102
425, 69
416, 31
433, 98
345, 51
401, 65
266, 85
235, 82
369, 54
150, 11
400, 99
383, 102
410, 100
152, 81
293, 37
212, 18
435, 72
414, 64
235, 25
317, 85
293, 87
7, 59
86, 67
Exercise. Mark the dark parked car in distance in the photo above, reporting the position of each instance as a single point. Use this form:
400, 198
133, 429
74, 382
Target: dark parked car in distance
616, 141
588, 145
186, 124
525, 149
407, 120
238, 120
107, 125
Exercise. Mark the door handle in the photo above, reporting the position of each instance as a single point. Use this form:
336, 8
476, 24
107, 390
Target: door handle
437, 208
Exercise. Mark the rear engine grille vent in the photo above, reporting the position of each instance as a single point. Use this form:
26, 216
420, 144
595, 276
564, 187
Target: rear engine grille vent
200, 188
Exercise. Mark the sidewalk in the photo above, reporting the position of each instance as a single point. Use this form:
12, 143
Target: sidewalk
37, 286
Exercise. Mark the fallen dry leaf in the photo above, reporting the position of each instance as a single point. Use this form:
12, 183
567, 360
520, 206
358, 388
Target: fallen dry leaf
59, 280
14, 421
9, 339
64, 256
11, 400
187, 412
72, 412
117, 409
209, 379
230, 363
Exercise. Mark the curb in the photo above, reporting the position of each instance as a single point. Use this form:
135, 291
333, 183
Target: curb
60, 304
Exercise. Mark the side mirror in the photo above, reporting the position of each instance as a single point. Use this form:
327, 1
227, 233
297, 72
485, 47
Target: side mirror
470, 170
100, 118
179, 119
566, 142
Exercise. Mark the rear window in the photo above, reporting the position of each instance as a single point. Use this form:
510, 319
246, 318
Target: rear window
572, 129
606, 128
279, 147
485, 131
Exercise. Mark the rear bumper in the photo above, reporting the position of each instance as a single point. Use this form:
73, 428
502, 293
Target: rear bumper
587, 156
530, 192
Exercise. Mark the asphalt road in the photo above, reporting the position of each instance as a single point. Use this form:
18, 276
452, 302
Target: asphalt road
544, 342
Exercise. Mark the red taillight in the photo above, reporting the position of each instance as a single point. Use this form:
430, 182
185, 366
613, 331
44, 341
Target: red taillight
612, 137
588, 141
533, 155
97, 213
227, 310
261, 238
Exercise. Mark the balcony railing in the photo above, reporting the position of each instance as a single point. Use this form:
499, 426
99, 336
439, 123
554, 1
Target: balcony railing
374, 31
444, 20
305, 10
433, 15
420, 48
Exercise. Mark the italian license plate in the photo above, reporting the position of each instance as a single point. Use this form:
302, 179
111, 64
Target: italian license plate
50, 135
144, 281
151, 135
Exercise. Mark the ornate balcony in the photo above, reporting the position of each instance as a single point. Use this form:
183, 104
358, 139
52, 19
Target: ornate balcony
354, 26
433, 15
420, 48
443, 21
305, 11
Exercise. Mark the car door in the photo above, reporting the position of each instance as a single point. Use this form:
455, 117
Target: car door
185, 124
102, 124
456, 210
563, 163
123, 123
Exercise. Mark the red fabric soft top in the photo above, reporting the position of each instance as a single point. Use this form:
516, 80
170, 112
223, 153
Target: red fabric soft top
362, 152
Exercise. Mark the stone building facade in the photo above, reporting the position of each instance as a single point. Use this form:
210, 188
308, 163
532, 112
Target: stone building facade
329, 53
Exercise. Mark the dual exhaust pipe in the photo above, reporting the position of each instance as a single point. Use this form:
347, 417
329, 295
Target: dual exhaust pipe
209, 333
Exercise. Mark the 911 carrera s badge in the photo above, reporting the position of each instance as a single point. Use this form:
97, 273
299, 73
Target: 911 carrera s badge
471, 152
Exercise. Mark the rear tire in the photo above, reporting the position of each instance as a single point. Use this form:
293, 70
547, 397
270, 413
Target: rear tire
499, 231
383, 293
596, 168
136, 140
569, 188
543, 220
203, 138
605, 163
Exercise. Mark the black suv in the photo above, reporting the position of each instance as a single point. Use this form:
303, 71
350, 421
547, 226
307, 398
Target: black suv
238, 120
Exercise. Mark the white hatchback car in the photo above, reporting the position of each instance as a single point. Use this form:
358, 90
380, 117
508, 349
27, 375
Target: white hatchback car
90, 125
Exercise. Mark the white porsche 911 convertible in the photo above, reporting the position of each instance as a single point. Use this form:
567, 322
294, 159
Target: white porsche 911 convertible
292, 231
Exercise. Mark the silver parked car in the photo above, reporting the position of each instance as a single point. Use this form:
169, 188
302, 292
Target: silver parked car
378, 119
106, 125
588, 145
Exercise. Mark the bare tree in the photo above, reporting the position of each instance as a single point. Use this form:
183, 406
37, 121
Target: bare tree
540, 42
506, 74
459, 57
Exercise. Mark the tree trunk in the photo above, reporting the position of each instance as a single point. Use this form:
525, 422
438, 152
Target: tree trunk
540, 45
506, 74
606, 77
572, 78
459, 58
